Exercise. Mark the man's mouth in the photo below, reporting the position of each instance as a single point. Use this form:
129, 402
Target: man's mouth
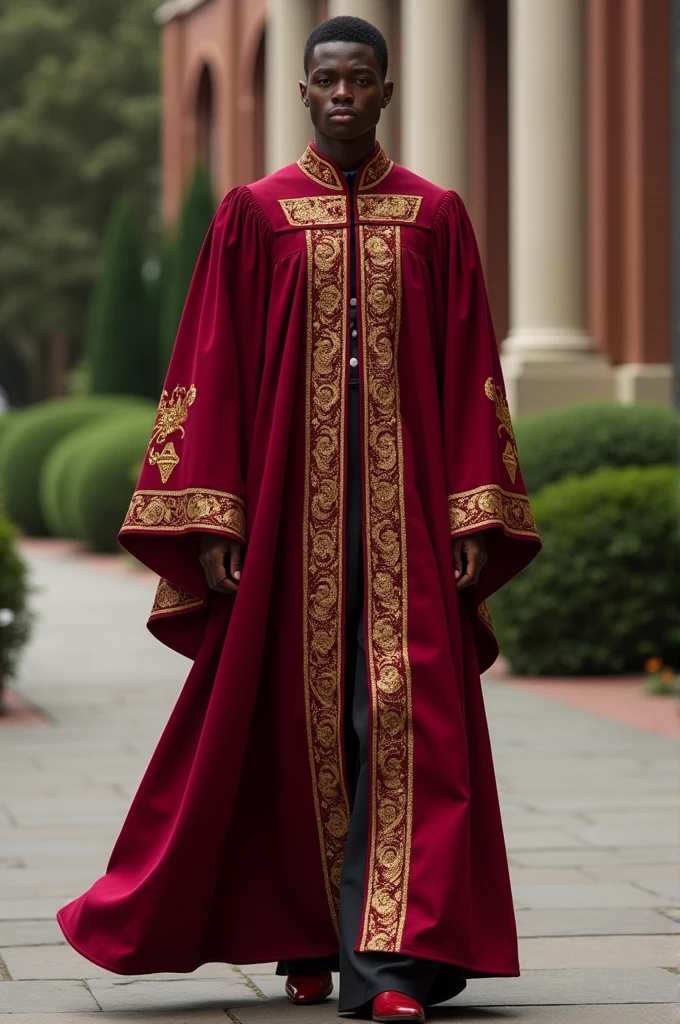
342, 113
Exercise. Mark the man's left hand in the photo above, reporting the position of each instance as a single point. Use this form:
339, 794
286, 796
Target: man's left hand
469, 557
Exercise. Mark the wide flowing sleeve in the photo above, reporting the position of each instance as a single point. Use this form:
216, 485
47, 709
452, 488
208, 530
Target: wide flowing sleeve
484, 480
193, 476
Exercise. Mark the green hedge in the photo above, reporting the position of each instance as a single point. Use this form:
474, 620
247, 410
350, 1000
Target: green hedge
99, 474
581, 438
28, 440
14, 590
600, 598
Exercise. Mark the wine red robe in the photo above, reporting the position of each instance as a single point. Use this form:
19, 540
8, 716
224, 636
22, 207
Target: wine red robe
232, 849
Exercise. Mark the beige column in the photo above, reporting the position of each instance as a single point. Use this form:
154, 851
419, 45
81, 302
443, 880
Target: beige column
288, 128
434, 94
380, 14
549, 357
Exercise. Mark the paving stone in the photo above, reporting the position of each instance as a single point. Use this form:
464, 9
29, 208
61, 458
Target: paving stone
585, 856
548, 839
160, 1017
640, 874
609, 921
579, 952
48, 996
61, 961
133, 994
628, 835
29, 910
449, 1013
548, 876
669, 890
30, 933
591, 895
564, 987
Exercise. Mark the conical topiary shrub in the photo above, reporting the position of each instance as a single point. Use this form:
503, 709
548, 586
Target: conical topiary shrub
122, 351
198, 210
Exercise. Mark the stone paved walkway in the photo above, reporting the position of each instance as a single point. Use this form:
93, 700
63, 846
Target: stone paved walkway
590, 812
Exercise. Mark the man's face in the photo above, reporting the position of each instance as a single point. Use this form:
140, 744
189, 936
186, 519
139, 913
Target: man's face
344, 90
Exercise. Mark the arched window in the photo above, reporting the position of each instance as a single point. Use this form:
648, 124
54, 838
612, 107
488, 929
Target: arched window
206, 125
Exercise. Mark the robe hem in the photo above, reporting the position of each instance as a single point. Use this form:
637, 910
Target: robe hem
474, 972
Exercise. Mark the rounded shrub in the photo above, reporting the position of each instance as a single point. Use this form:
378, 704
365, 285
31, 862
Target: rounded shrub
581, 438
14, 590
600, 598
30, 437
101, 482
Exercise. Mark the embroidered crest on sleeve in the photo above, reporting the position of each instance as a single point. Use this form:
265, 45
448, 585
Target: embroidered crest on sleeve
172, 414
509, 456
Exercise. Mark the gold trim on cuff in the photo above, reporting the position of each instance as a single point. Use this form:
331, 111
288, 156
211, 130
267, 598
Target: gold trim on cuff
172, 600
189, 509
490, 505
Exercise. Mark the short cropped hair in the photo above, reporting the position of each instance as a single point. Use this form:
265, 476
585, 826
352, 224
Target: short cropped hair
346, 29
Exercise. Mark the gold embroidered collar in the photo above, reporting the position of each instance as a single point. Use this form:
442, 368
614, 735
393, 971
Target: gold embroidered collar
325, 173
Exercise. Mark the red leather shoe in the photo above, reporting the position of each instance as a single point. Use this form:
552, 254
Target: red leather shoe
307, 989
395, 1006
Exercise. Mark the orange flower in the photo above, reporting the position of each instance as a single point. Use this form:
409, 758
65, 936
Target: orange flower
653, 664
668, 676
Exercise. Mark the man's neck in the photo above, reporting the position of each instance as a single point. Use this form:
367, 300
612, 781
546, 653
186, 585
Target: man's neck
349, 154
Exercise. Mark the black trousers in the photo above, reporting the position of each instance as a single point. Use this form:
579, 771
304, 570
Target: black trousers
364, 975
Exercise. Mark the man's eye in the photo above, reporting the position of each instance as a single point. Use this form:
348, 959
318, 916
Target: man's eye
361, 81
323, 81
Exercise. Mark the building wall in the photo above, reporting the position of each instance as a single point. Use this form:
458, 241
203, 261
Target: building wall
626, 76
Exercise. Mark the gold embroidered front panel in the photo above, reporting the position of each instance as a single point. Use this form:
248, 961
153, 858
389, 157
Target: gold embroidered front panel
173, 412
509, 456
391, 795
171, 600
322, 543
319, 170
490, 505
376, 171
315, 210
400, 209
190, 509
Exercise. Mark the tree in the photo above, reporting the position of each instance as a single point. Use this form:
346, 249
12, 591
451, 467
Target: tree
198, 209
78, 127
122, 350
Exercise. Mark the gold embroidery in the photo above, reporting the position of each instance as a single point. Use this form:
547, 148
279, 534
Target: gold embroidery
171, 600
313, 210
190, 509
165, 460
171, 416
319, 170
374, 172
505, 424
402, 209
490, 505
386, 603
322, 544
485, 615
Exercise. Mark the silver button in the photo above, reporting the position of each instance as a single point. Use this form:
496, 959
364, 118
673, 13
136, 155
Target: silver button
354, 334
352, 302
354, 361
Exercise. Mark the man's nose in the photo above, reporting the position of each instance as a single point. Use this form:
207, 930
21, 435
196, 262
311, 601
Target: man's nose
342, 94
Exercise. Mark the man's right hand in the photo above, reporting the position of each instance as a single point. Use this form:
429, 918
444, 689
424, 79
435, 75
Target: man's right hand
222, 560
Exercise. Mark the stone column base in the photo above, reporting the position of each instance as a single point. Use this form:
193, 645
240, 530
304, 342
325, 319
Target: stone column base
537, 385
644, 382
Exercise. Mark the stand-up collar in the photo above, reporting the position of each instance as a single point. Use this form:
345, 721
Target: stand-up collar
326, 172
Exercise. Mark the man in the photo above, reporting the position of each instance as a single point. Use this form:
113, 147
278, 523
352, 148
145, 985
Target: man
330, 493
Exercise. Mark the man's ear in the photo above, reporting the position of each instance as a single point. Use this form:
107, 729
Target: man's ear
388, 89
303, 93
